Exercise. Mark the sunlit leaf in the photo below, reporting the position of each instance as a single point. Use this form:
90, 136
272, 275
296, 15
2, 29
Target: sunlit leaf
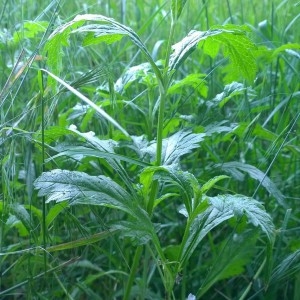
237, 47
186, 46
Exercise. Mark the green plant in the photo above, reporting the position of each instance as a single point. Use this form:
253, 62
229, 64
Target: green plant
143, 209
158, 175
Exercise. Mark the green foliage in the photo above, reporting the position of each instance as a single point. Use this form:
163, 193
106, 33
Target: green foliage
100, 144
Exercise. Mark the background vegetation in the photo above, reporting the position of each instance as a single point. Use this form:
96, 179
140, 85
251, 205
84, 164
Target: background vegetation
228, 122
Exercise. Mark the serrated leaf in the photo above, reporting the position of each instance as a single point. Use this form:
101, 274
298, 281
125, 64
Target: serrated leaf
238, 48
105, 30
220, 209
236, 168
29, 30
251, 208
187, 45
177, 145
81, 188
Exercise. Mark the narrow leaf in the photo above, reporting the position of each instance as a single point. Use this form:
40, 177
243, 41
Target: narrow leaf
89, 102
176, 8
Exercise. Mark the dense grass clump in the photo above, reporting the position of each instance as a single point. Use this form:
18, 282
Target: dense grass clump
149, 149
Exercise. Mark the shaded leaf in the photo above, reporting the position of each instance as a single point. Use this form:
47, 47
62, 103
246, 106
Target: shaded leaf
210, 183
236, 168
196, 81
231, 90
233, 255
79, 152
287, 268
220, 209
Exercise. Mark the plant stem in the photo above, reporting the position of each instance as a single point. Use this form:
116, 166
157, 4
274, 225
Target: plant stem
163, 90
134, 267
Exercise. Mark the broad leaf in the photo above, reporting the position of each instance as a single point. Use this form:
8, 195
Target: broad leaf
177, 145
81, 188
237, 47
236, 168
186, 46
104, 30
220, 209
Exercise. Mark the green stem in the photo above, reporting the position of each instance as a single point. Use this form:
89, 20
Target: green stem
133, 270
163, 91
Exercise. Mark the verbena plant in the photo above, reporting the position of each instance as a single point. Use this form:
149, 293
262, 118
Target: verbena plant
137, 177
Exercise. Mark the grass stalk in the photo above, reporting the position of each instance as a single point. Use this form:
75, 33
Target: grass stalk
133, 270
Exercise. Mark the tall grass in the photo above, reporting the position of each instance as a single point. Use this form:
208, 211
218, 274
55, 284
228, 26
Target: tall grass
53, 251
